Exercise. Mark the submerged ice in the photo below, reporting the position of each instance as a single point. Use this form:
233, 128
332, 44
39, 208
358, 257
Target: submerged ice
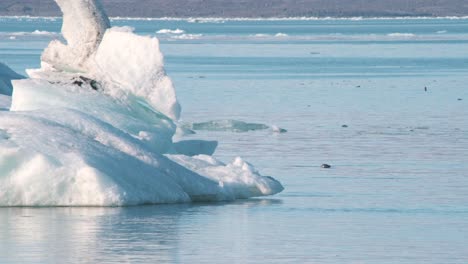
6, 76
232, 126
94, 126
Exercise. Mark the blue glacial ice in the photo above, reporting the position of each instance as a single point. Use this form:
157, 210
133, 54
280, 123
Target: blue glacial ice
230, 125
6, 76
94, 126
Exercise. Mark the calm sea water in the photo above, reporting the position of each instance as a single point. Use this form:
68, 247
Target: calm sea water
397, 191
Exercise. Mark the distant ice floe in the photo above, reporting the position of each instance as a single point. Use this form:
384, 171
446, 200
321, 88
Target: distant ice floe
37, 33
42, 32
170, 31
281, 35
228, 125
401, 35
179, 34
261, 35
187, 36
268, 36
30, 18
20, 35
232, 126
278, 129
95, 126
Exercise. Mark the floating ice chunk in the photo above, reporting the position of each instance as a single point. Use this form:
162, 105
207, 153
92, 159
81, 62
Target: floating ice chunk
6, 75
401, 35
261, 35
170, 31
188, 36
36, 32
206, 20
239, 178
228, 125
42, 32
277, 129
281, 35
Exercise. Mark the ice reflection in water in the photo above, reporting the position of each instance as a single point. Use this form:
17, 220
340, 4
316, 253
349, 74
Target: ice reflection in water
145, 234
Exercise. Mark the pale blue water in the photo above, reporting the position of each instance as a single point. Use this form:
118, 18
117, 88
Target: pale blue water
398, 188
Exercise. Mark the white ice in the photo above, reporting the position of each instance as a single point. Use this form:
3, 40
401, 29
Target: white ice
84, 24
170, 31
95, 126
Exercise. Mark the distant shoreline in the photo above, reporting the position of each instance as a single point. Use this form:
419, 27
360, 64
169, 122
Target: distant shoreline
215, 19
252, 8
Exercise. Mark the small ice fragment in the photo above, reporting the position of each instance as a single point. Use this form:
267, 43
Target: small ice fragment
277, 129
281, 35
144, 135
170, 31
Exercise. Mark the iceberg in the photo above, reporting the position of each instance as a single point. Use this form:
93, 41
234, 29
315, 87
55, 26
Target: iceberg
94, 126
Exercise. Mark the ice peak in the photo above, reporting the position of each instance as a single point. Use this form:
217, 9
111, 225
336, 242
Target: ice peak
84, 25
124, 63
